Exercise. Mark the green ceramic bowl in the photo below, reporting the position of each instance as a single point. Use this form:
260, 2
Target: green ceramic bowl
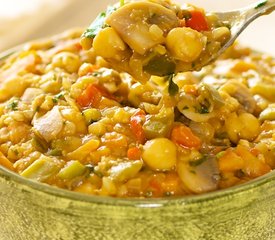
35, 211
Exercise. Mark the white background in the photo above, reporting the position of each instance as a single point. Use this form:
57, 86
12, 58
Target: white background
22, 20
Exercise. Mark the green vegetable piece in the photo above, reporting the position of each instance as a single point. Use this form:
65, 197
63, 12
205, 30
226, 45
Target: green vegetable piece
159, 125
261, 4
125, 170
38, 143
155, 129
41, 169
13, 105
160, 66
99, 23
71, 170
173, 88
55, 152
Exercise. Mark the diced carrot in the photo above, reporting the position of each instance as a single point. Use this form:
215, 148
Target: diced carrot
136, 124
5, 162
90, 97
134, 153
197, 21
230, 161
184, 137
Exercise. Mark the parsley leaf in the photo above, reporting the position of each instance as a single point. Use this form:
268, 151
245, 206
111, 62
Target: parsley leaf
13, 105
261, 4
57, 97
98, 24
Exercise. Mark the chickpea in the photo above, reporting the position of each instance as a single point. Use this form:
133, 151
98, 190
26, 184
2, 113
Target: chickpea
221, 34
67, 60
185, 44
251, 126
245, 126
97, 129
160, 154
86, 43
108, 43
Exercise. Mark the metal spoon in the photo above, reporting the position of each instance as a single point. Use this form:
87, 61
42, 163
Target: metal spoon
239, 19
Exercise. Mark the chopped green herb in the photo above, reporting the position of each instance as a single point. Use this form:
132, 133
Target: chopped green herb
173, 88
13, 105
185, 108
261, 4
37, 109
57, 97
90, 167
186, 14
203, 110
98, 24
54, 100
193, 171
197, 162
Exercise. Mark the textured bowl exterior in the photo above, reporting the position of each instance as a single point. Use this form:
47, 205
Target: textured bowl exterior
31, 211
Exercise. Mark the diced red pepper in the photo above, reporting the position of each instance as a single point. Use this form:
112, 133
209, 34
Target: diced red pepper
136, 124
197, 21
90, 97
184, 137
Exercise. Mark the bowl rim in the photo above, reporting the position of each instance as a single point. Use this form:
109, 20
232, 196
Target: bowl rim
129, 202
136, 202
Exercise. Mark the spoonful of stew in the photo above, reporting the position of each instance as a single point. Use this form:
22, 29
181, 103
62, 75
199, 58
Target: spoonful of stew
158, 37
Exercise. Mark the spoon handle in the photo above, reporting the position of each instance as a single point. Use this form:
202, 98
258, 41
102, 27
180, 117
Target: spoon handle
255, 10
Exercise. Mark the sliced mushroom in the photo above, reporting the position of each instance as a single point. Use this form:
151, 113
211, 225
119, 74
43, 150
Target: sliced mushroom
239, 91
200, 175
200, 108
142, 24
